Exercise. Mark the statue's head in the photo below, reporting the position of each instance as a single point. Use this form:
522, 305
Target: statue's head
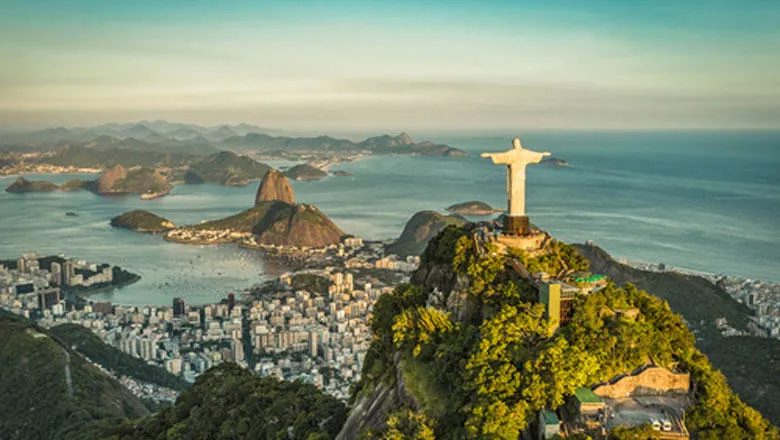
516, 143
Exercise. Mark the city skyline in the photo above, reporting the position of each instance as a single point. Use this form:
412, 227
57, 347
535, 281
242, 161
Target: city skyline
366, 66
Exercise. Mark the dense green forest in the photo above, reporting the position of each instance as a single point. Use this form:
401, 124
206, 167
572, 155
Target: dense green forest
310, 282
229, 402
49, 391
487, 373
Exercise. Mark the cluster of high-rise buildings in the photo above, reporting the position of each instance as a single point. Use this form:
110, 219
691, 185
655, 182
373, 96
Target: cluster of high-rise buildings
331, 331
186, 341
760, 296
763, 298
290, 333
33, 283
316, 330
390, 262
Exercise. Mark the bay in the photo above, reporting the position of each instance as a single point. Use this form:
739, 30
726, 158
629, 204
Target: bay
704, 201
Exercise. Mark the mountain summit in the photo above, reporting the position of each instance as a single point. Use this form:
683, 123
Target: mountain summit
275, 186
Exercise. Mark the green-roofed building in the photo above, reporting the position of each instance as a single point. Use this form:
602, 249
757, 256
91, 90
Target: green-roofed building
588, 403
595, 278
549, 425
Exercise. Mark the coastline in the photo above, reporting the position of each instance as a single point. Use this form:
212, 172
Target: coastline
157, 195
53, 170
86, 292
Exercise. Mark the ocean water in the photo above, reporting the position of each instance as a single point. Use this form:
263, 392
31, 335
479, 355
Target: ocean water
705, 201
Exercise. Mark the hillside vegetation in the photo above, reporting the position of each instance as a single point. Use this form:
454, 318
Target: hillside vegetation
142, 221
35, 399
229, 402
480, 362
419, 230
692, 296
227, 168
281, 224
87, 343
751, 364
305, 172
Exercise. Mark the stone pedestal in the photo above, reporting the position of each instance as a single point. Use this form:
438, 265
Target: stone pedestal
517, 225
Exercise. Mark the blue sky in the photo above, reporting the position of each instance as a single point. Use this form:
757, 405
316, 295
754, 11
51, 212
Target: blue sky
378, 65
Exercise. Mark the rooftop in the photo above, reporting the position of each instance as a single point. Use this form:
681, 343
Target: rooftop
549, 417
591, 279
585, 395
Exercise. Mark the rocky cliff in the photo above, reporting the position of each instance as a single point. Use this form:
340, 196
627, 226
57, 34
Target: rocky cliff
297, 225
281, 224
140, 180
105, 183
275, 187
77, 185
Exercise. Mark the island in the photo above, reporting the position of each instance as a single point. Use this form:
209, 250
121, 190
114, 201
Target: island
22, 185
76, 185
148, 182
142, 221
473, 207
305, 172
554, 162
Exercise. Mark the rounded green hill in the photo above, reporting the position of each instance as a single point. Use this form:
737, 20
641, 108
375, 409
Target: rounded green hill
142, 221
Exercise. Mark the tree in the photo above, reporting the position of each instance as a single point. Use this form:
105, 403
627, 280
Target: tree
420, 326
406, 425
556, 372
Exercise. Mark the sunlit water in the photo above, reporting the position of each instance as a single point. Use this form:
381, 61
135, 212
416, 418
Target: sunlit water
701, 201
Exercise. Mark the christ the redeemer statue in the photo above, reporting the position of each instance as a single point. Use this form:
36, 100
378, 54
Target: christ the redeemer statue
515, 159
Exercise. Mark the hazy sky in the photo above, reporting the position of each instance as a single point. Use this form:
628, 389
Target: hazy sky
417, 65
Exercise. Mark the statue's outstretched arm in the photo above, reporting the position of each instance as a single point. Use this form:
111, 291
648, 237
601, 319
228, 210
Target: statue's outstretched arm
538, 157
498, 158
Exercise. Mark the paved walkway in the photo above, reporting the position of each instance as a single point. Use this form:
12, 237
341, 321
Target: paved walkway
68, 378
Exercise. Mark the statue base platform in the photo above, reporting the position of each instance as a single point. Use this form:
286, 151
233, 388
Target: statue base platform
532, 243
517, 225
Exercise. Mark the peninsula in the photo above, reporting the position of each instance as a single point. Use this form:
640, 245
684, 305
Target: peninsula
275, 222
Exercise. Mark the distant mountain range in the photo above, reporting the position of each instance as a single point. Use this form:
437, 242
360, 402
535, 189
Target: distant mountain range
149, 131
177, 138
